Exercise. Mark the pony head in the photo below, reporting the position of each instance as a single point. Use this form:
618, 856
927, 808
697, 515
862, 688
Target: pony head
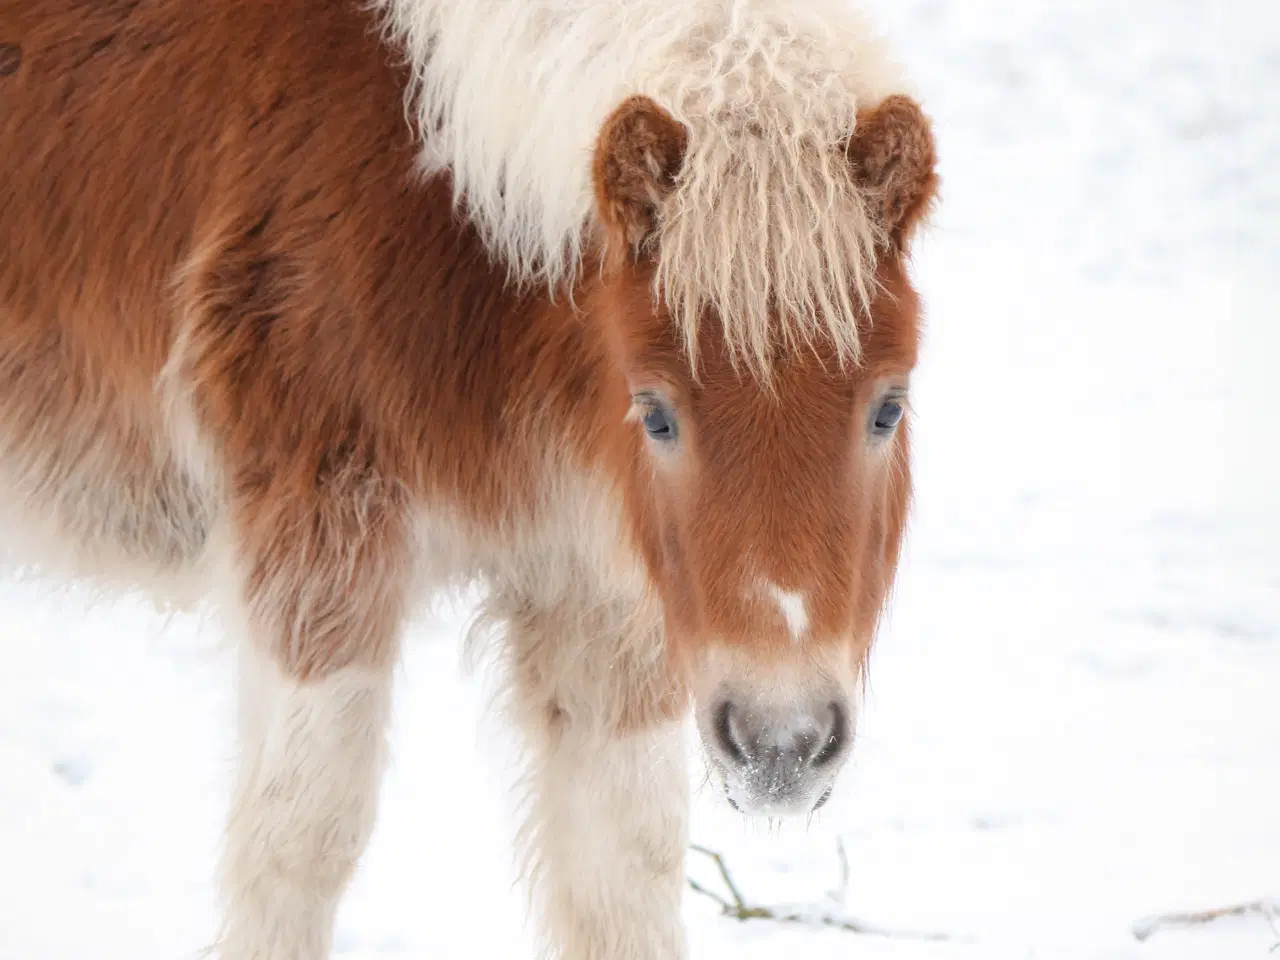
757, 306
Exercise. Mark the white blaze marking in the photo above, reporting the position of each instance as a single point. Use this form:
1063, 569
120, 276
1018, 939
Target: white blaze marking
791, 604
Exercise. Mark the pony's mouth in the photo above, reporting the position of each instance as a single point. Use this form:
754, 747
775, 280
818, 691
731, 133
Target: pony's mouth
763, 793
775, 759
822, 800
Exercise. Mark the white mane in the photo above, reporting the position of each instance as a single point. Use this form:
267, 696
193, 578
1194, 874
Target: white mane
510, 95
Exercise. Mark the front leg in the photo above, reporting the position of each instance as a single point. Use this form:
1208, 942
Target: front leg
318, 603
312, 755
606, 830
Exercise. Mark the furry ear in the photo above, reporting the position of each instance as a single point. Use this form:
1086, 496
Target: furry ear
893, 156
638, 156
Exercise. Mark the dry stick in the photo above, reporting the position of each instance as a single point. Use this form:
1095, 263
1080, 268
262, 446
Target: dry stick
840, 894
739, 909
1266, 908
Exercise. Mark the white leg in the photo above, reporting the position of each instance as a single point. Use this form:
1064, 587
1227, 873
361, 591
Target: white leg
304, 808
606, 830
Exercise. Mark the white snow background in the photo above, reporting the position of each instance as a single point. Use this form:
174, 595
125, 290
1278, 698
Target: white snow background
1074, 713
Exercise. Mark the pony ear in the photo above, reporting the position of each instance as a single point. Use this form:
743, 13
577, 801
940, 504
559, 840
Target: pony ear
638, 156
893, 156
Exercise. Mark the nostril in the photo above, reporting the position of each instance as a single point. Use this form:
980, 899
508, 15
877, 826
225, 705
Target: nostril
725, 736
837, 734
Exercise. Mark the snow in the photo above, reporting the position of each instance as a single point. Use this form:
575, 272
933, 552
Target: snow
1073, 720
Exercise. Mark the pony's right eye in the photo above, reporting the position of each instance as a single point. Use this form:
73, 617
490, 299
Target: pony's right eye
657, 422
655, 415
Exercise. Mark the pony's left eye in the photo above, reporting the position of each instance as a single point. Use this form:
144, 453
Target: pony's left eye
887, 416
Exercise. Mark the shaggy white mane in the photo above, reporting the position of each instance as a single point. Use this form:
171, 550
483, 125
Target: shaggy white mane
765, 221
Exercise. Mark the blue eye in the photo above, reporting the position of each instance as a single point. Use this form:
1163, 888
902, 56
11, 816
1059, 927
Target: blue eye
887, 416
658, 421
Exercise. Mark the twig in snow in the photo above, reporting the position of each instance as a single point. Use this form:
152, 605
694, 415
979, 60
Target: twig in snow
1267, 909
738, 902
739, 909
840, 894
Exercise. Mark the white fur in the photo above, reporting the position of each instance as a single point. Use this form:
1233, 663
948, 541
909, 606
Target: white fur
609, 820
606, 805
76, 503
510, 95
304, 808
792, 607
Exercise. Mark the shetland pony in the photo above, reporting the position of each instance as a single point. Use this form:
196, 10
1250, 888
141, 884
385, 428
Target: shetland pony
316, 308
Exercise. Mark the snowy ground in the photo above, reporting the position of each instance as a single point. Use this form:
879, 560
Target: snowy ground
1073, 719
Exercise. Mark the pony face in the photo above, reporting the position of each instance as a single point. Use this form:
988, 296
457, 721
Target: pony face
772, 480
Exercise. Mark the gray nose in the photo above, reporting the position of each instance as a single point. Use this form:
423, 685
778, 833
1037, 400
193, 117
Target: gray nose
778, 748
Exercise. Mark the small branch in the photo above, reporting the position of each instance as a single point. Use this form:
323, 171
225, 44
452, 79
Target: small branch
727, 907
840, 894
1267, 909
739, 909
724, 874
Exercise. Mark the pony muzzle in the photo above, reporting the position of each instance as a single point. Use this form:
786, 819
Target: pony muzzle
776, 759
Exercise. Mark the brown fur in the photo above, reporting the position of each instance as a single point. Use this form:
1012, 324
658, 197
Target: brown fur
10, 58
239, 333
831, 520
636, 163
893, 154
